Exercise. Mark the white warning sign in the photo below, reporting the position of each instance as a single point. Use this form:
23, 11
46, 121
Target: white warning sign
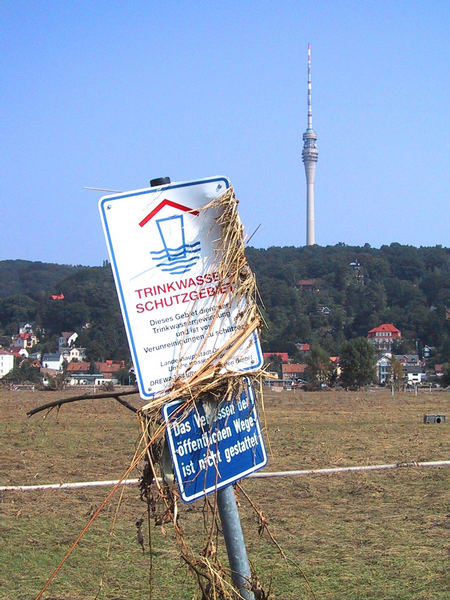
163, 251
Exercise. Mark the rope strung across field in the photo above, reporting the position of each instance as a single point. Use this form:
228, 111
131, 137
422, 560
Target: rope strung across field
259, 475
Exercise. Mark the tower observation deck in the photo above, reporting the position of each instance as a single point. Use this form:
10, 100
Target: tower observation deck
310, 155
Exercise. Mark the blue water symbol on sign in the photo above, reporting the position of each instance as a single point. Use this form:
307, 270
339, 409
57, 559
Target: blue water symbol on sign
177, 256
214, 445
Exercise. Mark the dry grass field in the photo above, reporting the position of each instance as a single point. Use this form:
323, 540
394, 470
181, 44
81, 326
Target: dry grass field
371, 535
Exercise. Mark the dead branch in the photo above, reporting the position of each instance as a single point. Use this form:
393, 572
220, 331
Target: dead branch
61, 401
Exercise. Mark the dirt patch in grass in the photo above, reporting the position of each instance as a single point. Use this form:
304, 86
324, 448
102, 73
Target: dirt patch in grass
354, 535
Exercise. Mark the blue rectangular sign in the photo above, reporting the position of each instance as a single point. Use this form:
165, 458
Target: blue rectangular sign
213, 445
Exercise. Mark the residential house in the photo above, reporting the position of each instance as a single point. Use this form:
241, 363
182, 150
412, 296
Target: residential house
307, 285
411, 364
67, 339
25, 339
66, 347
20, 353
79, 372
293, 371
384, 336
384, 367
408, 360
73, 354
25, 327
427, 351
415, 374
303, 347
110, 367
52, 361
439, 370
78, 367
6, 362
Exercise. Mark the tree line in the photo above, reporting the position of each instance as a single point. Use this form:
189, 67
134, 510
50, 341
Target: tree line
353, 290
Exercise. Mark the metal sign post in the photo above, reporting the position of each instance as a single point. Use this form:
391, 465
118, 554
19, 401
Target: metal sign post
234, 541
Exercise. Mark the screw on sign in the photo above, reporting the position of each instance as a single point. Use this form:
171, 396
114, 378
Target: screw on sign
188, 323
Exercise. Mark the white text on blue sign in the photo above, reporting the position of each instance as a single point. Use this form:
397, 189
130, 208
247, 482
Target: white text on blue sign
213, 446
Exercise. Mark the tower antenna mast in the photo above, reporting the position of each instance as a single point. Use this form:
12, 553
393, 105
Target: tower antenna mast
309, 89
310, 155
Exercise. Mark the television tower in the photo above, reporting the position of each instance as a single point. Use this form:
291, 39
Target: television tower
309, 156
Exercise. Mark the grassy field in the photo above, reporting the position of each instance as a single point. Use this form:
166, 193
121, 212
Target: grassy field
373, 535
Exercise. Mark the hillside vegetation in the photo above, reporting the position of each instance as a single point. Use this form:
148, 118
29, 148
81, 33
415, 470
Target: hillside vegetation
353, 290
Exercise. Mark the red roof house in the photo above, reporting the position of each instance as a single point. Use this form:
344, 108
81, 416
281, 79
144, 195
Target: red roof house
293, 370
383, 336
303, 347
78, 367
109, 367
307, 285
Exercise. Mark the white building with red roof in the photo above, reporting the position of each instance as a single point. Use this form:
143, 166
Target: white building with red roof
383, 336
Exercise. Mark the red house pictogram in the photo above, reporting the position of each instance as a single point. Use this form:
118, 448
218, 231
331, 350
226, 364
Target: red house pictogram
162, 205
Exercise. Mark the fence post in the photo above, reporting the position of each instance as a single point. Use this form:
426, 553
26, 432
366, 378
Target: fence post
234, 541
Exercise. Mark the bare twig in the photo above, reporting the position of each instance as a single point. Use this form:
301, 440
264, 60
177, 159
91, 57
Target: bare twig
61, 401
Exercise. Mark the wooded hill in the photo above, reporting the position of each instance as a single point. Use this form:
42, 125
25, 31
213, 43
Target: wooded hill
313, 294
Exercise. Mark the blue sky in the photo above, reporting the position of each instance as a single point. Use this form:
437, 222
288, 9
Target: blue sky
112, 94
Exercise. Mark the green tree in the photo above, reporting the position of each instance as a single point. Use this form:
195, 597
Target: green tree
407, 286
445, 381
15, 309
320, 368
23, 372
56, 382
397, 374
357, 362
403, 346
274, 364
92, 367
123, 376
